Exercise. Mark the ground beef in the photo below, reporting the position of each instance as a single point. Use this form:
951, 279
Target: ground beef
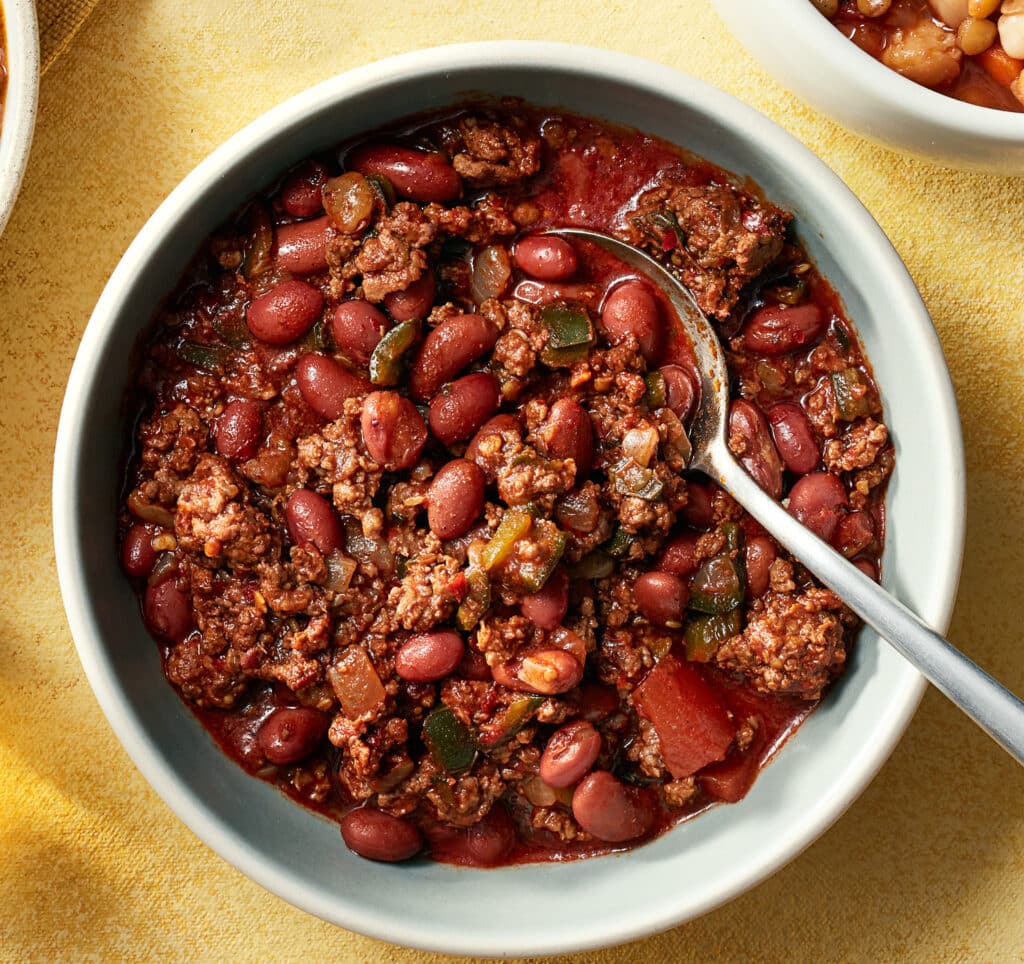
485, 221
424, 597
214, 520
857, 448
729, 238
494, 153
336, 457
207, 680
171, 444
792, 644
394, 258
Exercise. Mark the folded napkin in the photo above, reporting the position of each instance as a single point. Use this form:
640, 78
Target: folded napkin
59, 21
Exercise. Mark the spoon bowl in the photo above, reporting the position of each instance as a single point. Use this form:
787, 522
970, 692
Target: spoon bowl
994, 708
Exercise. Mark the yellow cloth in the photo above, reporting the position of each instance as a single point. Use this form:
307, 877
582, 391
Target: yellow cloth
59, 21
928, 865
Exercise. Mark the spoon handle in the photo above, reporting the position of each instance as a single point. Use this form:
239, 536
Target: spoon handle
993, 707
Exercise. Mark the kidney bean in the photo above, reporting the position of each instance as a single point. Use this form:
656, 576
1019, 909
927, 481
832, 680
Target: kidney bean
376, 835
854, 533
568, 434
546, 258
137, 553
300, 193
291, 733
357, 327
393, 430
631, 309
679, 555
548, 672
301, 248
817, 500
237, 431
608, 809
504, 426
168, 610
285, 313
596, 701
759, 455
570, 753
449, 348
311, 518
547, 607
417, 175
490, 840
414, 302
680, 390
474, 666
325, 384
427, 657
778, 329
462, 406
699, 510
455, 498
760, 553
794, 437
662, 597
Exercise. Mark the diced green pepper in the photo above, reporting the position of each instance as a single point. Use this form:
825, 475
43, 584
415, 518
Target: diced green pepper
317, 338
260, 246
533, 576
515, 716
476, 602
208, 358
841, 335
449, 740
594, 565
631, 478
704, 634
657, 393
791, 291
383, 188
852, 394
386, 360
233, 330
620, 543
567, 326
515, 523
733, 533
717, 586
662, 227
563, 357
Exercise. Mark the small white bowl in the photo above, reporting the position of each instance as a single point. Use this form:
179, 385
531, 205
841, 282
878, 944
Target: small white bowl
536, 908
21, 47
803, 51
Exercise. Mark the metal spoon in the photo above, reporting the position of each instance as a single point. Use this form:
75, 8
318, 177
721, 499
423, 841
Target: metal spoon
993, 707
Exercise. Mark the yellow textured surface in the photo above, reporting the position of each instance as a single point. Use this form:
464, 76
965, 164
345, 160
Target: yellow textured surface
928, 865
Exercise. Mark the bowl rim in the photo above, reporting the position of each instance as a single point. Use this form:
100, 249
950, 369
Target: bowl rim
21, 47
899, 93
646, 77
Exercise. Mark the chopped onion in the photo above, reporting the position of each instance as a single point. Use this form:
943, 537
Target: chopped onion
641, 444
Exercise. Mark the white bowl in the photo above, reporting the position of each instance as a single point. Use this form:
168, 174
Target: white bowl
540, 908
803, 51
21, 47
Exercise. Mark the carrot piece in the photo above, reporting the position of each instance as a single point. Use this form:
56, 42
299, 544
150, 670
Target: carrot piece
1001, 67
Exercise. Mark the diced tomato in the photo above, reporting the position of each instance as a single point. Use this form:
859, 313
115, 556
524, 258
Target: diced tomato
732, 779
459, 586
692, 723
